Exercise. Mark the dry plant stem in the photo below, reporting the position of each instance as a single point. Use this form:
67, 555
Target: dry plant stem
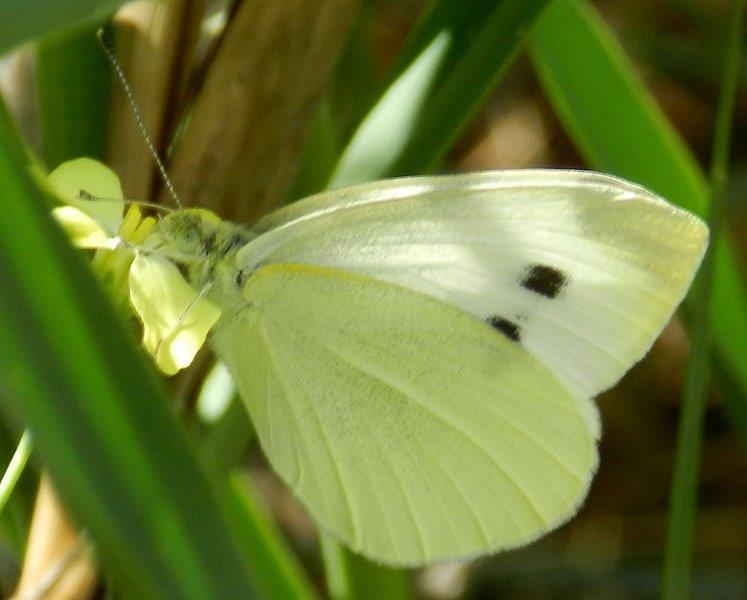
154, 43
238, 156
57, 564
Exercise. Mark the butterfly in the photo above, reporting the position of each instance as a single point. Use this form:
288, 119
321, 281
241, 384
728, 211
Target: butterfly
419, 356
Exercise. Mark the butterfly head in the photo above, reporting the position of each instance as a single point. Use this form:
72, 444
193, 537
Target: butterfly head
191, 232
201, 244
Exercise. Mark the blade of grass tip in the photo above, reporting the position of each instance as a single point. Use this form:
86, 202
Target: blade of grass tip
683, 498
618, 128
15, 468
25, 20
71, 371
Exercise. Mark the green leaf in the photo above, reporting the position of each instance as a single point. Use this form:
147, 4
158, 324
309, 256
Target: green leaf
72, 76
72, 373
452, 61
24, 20
618, 128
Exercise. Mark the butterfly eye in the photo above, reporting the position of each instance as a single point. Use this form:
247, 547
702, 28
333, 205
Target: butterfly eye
189, 237
184, 232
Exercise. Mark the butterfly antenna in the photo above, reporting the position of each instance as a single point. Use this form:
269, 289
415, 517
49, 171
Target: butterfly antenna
138, 115
84, 195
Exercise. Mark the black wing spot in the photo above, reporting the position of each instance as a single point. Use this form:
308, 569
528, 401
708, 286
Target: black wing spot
508, 328
240, 278
544, 280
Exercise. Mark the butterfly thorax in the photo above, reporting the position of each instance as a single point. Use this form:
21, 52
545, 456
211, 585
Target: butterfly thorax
203, 246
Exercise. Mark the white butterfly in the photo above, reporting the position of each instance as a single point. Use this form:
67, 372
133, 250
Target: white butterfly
419, 356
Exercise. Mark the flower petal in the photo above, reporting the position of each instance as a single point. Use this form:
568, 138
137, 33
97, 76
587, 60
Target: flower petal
96, 179
176, 320
82, 229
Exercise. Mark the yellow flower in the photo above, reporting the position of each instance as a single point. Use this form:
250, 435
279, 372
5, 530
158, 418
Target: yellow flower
176, 318
93, 204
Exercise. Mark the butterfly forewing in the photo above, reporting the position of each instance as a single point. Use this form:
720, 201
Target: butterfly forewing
583, 270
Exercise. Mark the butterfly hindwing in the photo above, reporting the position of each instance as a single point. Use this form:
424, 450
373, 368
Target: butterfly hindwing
410, 430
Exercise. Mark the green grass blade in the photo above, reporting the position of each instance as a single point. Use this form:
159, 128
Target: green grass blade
319, 154
352, 577
619, 129
15, 468
72, 373
17, 508
72, 77
736, 410
336, 570
275, 569
605, 109
15, 516
683, 502
25, 20
452, 61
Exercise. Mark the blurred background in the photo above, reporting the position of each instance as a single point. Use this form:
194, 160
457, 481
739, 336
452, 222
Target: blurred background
235, 119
